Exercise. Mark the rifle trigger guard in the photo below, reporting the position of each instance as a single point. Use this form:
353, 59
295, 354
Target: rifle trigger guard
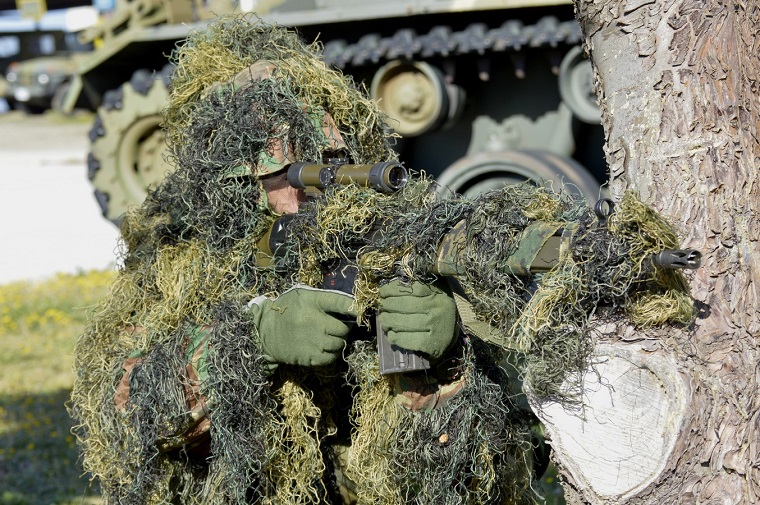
603, 208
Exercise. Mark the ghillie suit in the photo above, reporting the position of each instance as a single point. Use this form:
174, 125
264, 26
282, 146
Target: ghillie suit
207, 420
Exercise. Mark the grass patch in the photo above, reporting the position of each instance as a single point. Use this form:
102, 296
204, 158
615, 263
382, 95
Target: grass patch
39, 325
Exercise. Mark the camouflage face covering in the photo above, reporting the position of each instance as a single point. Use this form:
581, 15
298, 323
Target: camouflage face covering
278, 153
247, 99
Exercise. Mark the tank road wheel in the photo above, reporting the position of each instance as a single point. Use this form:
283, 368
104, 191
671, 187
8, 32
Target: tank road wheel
417, 96
127, 143
576, 86
486, 171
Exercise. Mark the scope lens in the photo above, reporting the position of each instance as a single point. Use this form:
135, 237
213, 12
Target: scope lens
326, 176
397, 177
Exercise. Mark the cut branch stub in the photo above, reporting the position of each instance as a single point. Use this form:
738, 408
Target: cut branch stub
620, 439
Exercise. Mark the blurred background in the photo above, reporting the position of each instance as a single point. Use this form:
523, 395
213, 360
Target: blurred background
49, 221
483, 92
56, 259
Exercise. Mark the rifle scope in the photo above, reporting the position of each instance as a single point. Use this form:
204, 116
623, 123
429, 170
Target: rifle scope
386, 176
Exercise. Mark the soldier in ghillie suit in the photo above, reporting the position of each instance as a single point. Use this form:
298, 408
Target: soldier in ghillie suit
206, 377
212, 376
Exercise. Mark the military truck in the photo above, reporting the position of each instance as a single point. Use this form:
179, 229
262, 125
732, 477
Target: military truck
39, 84
484, 92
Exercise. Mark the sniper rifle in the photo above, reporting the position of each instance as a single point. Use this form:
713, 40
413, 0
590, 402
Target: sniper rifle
532, 257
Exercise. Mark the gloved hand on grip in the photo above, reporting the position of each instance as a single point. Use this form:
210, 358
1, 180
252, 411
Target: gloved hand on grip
418, 317
303, 326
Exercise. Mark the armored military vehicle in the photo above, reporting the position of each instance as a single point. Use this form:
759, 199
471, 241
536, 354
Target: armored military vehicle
484, 92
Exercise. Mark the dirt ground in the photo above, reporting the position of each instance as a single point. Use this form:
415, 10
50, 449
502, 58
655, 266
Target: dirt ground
49, 220
44, 131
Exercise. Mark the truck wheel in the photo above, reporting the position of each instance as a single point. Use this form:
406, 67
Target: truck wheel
58, 97
127, 143
31, 109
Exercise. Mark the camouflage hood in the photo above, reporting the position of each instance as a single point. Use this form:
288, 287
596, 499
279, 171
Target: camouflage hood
251, 98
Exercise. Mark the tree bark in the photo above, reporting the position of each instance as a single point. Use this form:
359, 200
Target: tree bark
674, 416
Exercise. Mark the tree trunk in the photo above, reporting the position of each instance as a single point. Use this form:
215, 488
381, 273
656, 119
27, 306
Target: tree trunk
673, 416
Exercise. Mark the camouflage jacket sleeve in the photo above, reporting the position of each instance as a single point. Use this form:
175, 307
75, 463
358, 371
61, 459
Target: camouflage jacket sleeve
193, 432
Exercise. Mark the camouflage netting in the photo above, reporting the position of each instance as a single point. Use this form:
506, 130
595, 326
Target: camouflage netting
189, 259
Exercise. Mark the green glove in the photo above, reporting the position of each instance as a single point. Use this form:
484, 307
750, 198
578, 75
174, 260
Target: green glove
418, 317
304, 326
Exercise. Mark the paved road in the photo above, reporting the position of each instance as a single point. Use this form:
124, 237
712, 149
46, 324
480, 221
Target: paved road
49, 221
